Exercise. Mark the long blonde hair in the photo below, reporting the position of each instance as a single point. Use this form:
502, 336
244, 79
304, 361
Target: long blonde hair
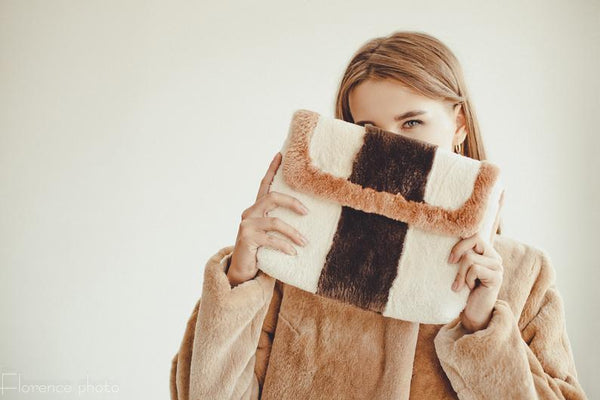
421, 62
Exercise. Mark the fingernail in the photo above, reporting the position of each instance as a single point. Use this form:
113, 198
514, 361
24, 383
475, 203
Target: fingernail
304, 209
293, 252
304, 239
454, 285
451, 258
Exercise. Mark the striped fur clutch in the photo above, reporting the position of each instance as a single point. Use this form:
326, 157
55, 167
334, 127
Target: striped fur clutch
385, 211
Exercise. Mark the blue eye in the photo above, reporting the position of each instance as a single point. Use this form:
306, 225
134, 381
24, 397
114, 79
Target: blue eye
413, 120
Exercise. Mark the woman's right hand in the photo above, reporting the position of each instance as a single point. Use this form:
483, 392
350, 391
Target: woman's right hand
252, 232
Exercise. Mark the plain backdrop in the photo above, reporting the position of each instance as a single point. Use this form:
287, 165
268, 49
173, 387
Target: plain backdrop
134, 133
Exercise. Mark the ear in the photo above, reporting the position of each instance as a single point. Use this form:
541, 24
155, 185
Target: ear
461, 124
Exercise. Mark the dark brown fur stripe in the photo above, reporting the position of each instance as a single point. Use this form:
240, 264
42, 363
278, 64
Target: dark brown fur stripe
302, 175
362, 262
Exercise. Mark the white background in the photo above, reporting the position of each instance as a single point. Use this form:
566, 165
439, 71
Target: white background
134, 133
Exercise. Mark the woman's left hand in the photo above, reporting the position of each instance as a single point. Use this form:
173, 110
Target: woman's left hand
480, 268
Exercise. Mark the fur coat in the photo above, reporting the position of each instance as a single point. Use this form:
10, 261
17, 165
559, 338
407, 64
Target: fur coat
264, 339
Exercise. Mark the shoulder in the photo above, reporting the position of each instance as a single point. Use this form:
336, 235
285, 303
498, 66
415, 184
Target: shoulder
528, 274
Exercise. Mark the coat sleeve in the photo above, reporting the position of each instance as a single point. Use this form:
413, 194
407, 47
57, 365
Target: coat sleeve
526, 359
223, 337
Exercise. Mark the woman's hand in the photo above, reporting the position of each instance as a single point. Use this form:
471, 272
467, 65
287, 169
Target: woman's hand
252, 232
481, 270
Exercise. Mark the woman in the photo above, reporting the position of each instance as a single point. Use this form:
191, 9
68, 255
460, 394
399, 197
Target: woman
251, 336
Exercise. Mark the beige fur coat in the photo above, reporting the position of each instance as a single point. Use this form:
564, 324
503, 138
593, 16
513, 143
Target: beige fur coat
267, 340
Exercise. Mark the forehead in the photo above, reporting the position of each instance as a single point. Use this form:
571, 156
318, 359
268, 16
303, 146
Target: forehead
386, 97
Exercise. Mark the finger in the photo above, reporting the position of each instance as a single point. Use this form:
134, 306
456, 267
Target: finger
277, 224
464, 264
276, 243
272, 200
486, 276
268, 178
474, 242
471, 258
487, 261
460, 274
466, 261
479, 247
460, 248
275, 199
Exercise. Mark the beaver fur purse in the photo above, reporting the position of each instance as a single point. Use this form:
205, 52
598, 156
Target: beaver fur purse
385, 211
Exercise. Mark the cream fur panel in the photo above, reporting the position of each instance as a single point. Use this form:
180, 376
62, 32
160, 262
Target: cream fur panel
395, 266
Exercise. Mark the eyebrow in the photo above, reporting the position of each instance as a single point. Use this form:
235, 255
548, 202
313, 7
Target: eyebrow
408, 114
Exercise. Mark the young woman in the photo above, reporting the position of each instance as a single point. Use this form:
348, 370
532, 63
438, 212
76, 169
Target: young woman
251, 336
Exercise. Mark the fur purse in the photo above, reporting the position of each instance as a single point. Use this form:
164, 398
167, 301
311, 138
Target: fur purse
385, 211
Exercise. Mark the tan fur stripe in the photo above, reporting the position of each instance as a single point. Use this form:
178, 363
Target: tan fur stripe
303, 176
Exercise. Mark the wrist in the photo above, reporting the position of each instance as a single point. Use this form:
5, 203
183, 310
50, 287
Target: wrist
473, 325
234, 277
